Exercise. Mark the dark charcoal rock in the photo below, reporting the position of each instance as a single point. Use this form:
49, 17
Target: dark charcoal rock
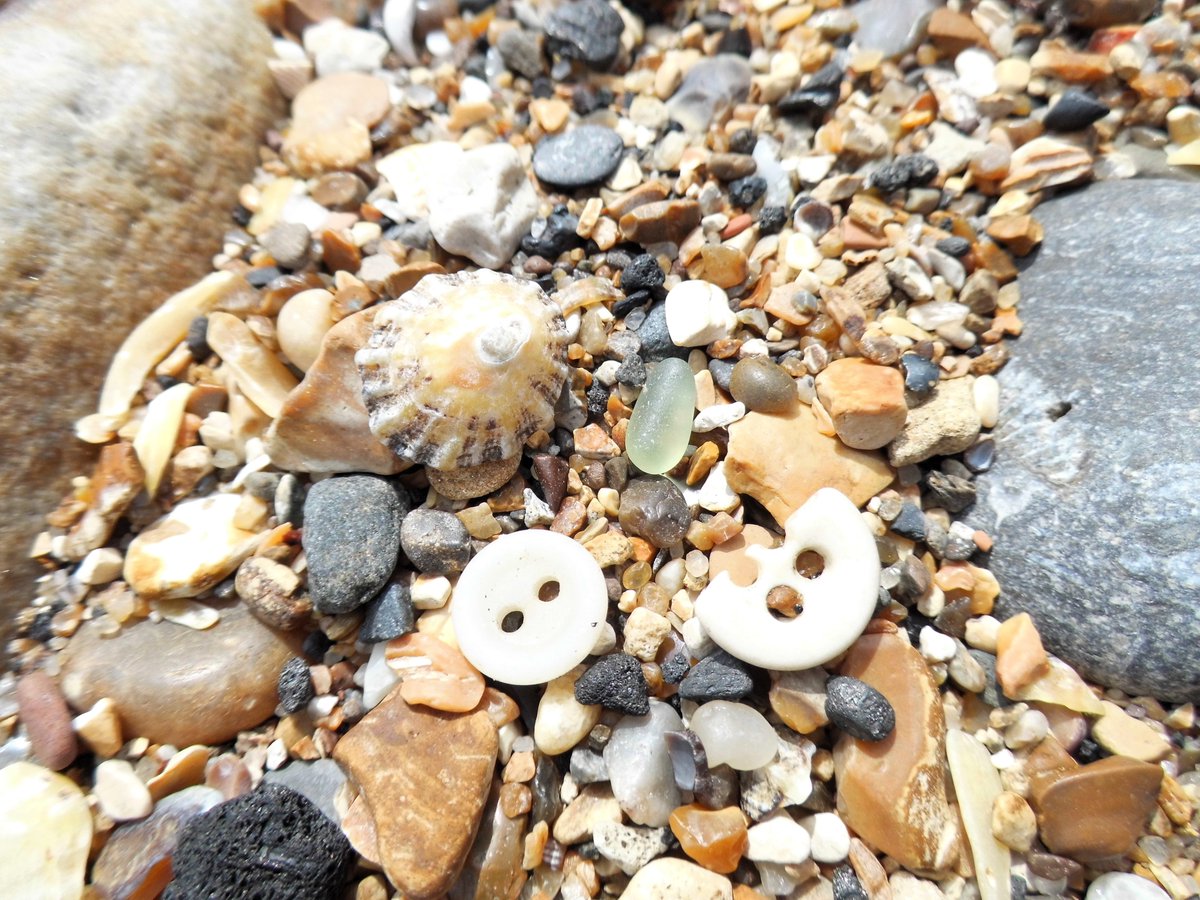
656, 340
587, 30
920, 374
435, 541
910, 523
642, 274
745, 191
1092, 498
597, 400
271, 844
615, 682
771, 219
954, 245
949, 491
652, 507
846, 885
584, 155
390, 614
295, 685
556, 236
816, 96
1074, 111
675, 667
632, 371
352, 539
737, 41
910, 170
858, 709
718, 676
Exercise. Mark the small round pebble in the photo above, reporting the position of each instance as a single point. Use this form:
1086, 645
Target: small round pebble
745, 191
858, 709
615, 682
1124, 886
587, 30
435, 542
288, 243
718, 676
295, 685
762, 385
272, 844
579, 157
655, 509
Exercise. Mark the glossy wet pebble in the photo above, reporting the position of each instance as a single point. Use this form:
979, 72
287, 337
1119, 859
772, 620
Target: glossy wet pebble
639, 766
654, 508
762, 385
734, 734
661, 424
858, 709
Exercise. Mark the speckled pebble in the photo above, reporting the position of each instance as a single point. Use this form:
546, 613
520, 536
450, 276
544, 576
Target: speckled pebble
295, 685
435, 542
652, 507
584, 155
615, 682
858, 709
718, 676
762, 385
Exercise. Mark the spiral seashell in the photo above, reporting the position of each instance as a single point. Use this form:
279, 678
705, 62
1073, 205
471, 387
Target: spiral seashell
461, 369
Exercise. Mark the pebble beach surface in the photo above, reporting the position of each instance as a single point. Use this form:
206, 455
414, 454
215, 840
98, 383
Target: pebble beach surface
558, 487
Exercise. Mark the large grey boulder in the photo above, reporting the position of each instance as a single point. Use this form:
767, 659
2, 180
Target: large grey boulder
126, 130
1094, 500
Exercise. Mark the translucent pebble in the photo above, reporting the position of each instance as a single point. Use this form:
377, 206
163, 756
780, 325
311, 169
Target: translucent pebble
734, 734
661, 423
639, 765
1124, 886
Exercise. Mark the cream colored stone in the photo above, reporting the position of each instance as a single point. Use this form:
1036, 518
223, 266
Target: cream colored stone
644, 633
1122, 735
1013, 822
562, 721
121, 794
47, 834
594, 806
100, 728
668, 878
301, 326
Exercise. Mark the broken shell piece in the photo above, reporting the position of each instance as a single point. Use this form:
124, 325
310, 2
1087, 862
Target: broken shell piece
505, 627
156, 436
837, 604
463, 368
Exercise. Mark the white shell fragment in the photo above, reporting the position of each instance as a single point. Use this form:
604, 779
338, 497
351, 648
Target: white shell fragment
977, 785
838, 603
463, 368
507, 577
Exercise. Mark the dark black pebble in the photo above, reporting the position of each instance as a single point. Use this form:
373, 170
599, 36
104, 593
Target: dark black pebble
1074, 111
390, 614
197, 339
909, 170
718, 676
745, 191
743, 141
435, 542
954, 246
771, 219
615, 682
950, 492
910, 523
587, 30
817, 96
556, 236
585, 155
846, 885
675, 667
643, 273
920, 374
351, 538
270, 844
295, 685
858, 709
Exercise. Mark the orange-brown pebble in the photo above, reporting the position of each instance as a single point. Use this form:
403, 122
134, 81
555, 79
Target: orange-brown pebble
702, 462
1020, 656
662, 220
515, 800
434, 674
714, 838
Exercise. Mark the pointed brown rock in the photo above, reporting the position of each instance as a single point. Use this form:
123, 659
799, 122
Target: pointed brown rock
892, 793
425, 775
323, 424
782, 460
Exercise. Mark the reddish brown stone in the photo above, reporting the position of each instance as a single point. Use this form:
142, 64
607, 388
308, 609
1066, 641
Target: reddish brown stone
47, 720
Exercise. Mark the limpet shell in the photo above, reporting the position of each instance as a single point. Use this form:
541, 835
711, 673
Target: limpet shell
463, 368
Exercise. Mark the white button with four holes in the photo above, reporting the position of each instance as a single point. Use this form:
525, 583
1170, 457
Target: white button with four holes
503, 625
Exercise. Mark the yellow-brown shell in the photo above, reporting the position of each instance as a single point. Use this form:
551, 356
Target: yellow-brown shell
463, 368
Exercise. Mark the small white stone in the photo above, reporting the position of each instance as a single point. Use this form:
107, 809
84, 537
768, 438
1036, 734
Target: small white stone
1028, 730
714, 494
719, 415
413, 171
829, 839
935, 646
669, 878
910, 278
937, 314
378, 678
121, 794
188, 613
698, 313
399, 19
698, 642
645, 631
983, 632
337, 47
734, 734
631, 847
976, 72
100, 566
562, 721
986, 393
483, 205
430, 591
47, 833
778, 840
801, 253
606, 372
301, 326
1124, 886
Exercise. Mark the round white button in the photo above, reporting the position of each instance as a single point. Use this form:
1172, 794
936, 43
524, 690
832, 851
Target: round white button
529, 607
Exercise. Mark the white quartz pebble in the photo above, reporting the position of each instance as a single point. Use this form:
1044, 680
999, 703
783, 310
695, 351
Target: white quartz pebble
986, 394
718, 416
639, 766
1124, 886
838, 603
506, 577
698, 313
829, 839
669, 878
779, 839
734, 734
47, 833
935, 646
121, 794
378, 678
977, 785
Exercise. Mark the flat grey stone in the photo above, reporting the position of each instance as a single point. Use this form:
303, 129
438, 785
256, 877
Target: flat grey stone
1094, 499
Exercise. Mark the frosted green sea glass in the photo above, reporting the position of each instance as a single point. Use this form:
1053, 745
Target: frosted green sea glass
661, 423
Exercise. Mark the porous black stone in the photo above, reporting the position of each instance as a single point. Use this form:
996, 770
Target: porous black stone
585, 155
351, 538
615, 682
771, 219
1074, 111
270, 844
858, 709
1092, 498
295, 685
597, 400
675, 667
909, 170
587, 30
436, 542
390, 614
643, 273
718, 676
920, 374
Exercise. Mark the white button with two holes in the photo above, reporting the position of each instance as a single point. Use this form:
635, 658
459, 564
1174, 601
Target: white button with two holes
503, 625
